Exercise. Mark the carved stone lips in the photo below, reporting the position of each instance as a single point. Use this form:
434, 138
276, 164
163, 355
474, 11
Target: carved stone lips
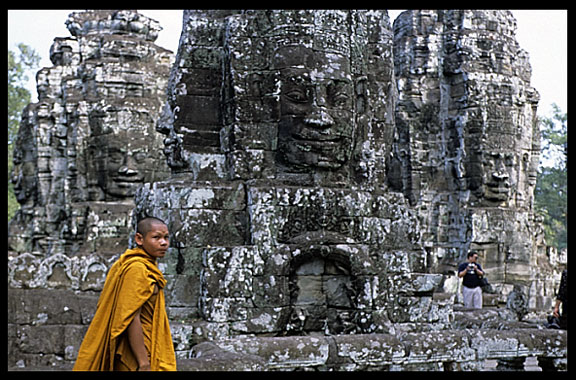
497, 191
318, 137
499, 187
128, 181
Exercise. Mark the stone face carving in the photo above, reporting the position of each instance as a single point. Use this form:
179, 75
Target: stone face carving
90, 141
120, 154
476, 100
277, 200
468, 141
293, 103
316, 126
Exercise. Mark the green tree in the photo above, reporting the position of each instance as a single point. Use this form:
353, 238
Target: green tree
19, 65
551, 194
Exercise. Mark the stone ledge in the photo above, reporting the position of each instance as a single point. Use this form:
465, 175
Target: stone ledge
468, 348
460, 349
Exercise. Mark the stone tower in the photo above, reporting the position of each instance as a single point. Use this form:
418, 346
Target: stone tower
84, 148
467, 148
279, 125
90, 140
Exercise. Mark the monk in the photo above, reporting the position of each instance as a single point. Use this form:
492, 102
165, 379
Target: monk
130, 330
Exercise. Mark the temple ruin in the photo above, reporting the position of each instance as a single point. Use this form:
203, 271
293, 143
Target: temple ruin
322, 174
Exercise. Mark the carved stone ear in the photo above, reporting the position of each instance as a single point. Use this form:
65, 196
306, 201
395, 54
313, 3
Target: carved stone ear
361, 94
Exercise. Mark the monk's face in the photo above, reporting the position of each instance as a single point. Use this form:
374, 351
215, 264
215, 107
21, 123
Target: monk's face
156, 241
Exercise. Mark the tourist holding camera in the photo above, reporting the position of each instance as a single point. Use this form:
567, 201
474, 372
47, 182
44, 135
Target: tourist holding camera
472, 272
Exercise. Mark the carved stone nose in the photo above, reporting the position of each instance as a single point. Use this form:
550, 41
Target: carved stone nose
125, 170
319, 119
128, 169
500, 175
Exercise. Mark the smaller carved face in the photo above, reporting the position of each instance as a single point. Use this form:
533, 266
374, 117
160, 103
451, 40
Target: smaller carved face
173, 151
24, 180
121, 164
499, 176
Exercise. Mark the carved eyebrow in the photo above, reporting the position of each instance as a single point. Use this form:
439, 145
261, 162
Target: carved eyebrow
339, 84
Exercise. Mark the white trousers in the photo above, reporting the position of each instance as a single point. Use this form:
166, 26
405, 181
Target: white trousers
472, 297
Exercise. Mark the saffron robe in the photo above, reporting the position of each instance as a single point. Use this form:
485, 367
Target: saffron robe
129, 285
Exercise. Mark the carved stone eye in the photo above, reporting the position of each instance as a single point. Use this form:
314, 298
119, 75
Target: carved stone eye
340, 99
296, 95
139, 157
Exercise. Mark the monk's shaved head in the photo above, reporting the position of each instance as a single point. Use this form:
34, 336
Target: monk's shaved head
145, 224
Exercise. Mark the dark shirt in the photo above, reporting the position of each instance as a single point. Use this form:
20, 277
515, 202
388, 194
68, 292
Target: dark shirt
471, 279
563, 289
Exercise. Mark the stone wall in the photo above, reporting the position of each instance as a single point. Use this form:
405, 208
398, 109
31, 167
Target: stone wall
46, 335
450, 350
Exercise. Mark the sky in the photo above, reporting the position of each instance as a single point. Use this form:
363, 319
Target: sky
543, 33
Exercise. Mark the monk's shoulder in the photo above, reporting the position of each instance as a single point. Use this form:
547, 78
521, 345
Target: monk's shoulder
136, 269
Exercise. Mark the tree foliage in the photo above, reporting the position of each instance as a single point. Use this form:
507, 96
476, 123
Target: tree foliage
551, 194
20, 64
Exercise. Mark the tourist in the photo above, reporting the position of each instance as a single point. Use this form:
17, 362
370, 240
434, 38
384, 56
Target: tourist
562, 299
472, 272
130, 330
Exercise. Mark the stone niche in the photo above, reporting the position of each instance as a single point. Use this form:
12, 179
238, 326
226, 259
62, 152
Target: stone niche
279, 126
90, 140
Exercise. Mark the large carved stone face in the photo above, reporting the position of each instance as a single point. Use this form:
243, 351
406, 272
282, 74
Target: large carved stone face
502, 157
316, 109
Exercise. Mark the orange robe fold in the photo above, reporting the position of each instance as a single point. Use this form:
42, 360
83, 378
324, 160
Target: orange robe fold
129, 286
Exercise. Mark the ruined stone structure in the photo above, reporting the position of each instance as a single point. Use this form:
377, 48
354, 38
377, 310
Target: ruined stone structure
327, 174
90, 140
81, 152
468, 144
279, 124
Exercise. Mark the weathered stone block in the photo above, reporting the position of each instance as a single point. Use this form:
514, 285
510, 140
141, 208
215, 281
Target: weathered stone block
271, 291
182, 290
374, 349
283, 352
262, 320
45, 339
444, 346
43, 306
209, 357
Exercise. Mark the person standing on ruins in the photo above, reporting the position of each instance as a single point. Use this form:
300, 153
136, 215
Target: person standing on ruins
471, 272
130, 329
562, 299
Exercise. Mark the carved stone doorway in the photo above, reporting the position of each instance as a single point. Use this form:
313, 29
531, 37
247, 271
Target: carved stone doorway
321, 296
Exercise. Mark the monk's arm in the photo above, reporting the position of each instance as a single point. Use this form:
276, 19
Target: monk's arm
136, 339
